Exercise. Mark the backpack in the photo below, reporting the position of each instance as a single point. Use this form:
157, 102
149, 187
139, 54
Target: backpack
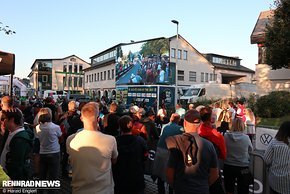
187, 145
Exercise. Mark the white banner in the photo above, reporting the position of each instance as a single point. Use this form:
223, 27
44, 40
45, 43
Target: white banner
264, 136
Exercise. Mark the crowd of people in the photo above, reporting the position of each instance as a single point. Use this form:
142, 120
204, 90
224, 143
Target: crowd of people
107, 150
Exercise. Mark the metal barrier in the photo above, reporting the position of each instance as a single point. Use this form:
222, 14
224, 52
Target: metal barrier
258, 168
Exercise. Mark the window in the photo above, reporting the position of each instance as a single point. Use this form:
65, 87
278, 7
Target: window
80, 82
211, 77
101, 76
80, 68
87, 79
75, 82
69, 81
44, 78
98, 78
105, 75
109, 76
215, 77
192, 76
206, 77
64, 81
113, 73
64, 67
179, 54
95, 77
185, 55
75, 68
202, 77
70, 68
180, 75
173, 50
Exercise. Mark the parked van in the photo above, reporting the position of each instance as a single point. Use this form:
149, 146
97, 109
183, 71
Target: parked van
80, 97
47, 93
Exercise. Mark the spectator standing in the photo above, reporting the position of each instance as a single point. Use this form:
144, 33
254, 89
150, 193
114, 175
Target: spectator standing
277, 158
250, 123
128, 172
6, 104
207, 131
162, 153
192, 164
179, 110
238, 159
92, 154
111, 125
48, 134
15, 155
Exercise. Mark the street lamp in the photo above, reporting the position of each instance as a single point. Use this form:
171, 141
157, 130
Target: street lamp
176, 70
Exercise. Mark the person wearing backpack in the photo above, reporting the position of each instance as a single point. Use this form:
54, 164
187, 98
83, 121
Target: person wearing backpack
192, 165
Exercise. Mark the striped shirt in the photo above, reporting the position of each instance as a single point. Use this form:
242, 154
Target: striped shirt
277, 157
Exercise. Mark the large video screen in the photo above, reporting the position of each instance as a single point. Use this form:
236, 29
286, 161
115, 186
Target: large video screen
144, 63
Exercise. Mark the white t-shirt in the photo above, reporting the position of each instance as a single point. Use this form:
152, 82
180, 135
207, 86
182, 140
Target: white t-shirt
90, 153
233, 112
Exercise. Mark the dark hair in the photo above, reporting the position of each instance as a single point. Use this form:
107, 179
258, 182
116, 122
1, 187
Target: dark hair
14, 113
192, 116
225, 125
284, 132
44, 118
205, 113
123, 123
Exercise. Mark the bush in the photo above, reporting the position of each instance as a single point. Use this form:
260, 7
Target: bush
275, 104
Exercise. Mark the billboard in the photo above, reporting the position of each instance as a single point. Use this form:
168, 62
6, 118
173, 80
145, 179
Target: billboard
7, 63
144, 63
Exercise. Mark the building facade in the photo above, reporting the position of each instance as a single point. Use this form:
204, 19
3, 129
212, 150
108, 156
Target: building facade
110, 68
267, 80
64, 74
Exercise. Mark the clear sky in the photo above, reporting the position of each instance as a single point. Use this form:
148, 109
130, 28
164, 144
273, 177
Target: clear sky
60, 28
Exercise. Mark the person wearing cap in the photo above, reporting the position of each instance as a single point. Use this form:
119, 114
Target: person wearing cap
192, 165
15, 155
91, 154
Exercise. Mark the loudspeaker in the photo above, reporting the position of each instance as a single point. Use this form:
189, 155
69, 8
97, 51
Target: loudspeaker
7, 63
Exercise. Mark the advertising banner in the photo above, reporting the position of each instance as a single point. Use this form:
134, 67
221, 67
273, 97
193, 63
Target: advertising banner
263, 137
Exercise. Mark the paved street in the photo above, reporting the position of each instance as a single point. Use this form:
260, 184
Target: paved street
151, 188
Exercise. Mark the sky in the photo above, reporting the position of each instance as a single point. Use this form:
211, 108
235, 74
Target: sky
60, 28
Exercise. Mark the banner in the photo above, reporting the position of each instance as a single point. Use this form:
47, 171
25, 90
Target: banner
263, 137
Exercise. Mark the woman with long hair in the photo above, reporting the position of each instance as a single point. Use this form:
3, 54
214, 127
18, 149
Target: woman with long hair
250, 123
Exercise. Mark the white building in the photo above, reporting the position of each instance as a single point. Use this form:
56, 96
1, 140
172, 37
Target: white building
19, 88
64, 74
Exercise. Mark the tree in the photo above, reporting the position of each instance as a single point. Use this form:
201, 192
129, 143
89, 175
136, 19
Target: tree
157, 47
6, 29
278, 36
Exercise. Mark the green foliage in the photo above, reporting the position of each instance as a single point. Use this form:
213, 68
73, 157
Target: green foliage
278, 36
274, 105
251, 102
159, 47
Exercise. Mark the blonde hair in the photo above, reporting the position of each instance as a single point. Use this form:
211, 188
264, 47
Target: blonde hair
250, 114
90, 110
72, 105
238, 125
